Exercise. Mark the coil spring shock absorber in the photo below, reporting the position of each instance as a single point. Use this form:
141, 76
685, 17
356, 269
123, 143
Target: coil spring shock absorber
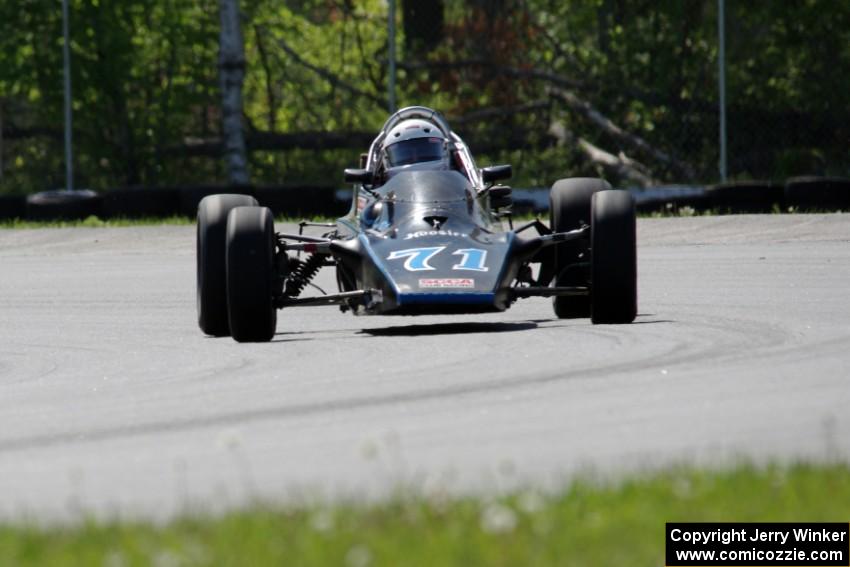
301, 272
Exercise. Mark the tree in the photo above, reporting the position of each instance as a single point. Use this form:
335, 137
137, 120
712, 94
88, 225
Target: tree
231, 65
623, 88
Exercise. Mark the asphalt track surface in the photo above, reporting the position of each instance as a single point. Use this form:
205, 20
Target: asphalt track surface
113, 403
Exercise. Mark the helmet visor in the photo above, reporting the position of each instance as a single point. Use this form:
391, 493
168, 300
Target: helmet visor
415, 151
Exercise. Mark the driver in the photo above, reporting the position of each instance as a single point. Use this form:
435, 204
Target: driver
414, 144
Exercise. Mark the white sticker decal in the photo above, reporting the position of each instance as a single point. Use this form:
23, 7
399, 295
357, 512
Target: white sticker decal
446, 282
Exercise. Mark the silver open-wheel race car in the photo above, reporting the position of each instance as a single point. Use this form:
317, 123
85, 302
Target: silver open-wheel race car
426, 234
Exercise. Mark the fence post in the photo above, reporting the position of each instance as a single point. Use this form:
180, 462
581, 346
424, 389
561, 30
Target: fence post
66, 62
231, 77
391, 25
721, 58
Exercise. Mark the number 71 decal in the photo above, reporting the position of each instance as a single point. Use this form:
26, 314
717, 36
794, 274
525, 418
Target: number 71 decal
416, 259
473, 259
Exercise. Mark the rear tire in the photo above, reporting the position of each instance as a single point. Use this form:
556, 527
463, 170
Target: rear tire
613, 292
250, 274
569, 209
212, 286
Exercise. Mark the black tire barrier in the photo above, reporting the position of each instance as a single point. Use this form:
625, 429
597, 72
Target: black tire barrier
746, 197
64, 205
818, 193
301, 201
190, 196
804, 194
699, 203
13, 207
296, 201
141, 202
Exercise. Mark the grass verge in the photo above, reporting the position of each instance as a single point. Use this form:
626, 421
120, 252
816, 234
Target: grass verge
586, 524
94, 222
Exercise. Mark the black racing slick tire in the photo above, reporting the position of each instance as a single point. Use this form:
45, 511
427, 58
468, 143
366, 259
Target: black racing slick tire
569, 209
613, 242
212, 283
250, 274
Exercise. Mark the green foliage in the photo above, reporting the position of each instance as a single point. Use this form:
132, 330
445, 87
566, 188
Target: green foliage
589, 523
143, 74
145, 81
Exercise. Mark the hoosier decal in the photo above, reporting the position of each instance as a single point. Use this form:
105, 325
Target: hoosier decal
446, 282
421, 233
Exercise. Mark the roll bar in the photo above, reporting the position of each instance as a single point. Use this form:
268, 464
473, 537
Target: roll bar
421, 112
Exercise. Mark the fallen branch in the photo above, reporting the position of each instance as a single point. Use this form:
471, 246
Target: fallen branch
578, 105
620, 165
593, 115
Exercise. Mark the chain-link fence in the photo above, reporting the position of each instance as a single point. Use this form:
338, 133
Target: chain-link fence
630, 89
624, 89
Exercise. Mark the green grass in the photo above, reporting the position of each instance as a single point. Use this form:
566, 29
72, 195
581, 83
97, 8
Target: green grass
94, 222
588, 523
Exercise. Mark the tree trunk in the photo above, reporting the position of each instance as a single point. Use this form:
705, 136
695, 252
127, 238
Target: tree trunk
231, 67
1, 140
423, 26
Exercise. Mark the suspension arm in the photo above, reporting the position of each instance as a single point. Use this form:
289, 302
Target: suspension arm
557, 237
320, 247
539, 291
365, 296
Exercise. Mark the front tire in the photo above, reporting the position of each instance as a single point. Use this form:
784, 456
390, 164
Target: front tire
250, 274
613, 292
569, 209
210, 251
